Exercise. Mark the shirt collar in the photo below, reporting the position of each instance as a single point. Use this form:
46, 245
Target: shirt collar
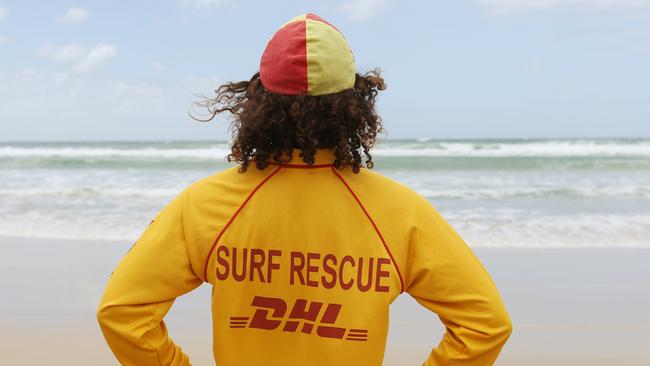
322, 158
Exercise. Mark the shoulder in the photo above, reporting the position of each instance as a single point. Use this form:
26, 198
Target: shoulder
213, 181
385, 189
390, 202
228, 184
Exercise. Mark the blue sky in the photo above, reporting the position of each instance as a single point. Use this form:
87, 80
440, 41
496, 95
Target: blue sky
127, 70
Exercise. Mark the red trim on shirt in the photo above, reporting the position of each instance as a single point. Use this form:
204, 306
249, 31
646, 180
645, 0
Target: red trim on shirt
390, 254
302, 166
232, 218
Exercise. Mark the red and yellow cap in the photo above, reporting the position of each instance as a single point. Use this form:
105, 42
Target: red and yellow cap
307, 55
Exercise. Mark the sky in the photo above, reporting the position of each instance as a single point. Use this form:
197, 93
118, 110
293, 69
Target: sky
130, 70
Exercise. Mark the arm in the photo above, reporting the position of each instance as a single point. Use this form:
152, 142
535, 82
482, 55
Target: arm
143, 288
446, 277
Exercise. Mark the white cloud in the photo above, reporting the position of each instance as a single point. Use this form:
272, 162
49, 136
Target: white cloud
96, 57
82, 59
505, 7
74, 15
201, 4
3, 13
3, 39
67, 53
363, 10
87, 106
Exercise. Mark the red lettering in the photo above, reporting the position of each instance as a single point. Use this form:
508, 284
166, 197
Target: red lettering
364, 287
239, 276
312, 269
296, 268
381, 274
272, 265
221, 251
257, 264
346, 285
329, 317
260, 318
271, 312
328, 284
300, 311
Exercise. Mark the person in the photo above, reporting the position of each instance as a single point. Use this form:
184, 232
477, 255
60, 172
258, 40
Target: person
305, 247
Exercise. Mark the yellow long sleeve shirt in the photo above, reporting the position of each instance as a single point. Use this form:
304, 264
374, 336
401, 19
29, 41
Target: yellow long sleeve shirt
304, 261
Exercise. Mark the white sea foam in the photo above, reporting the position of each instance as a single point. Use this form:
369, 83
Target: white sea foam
424, 148
532, 228
548, 148
104, 152
88, 192
640, 191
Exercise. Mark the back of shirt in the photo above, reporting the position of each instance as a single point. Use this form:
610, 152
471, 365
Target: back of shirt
305, 261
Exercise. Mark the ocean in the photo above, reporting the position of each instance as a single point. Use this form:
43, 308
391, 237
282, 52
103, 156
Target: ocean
495, 193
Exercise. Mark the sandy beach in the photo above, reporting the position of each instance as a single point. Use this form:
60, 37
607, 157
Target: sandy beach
569, 307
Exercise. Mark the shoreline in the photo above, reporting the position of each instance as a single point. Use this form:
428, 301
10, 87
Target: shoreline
12, 239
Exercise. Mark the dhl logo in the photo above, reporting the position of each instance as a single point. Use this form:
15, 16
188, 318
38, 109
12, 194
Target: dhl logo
270, 315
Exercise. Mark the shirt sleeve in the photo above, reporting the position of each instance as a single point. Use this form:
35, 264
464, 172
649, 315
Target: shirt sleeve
143, 288
445, 276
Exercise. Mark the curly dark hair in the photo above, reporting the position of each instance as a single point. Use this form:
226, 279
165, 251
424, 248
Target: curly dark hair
266, 126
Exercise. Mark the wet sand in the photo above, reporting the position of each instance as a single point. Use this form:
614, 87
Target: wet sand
569, 307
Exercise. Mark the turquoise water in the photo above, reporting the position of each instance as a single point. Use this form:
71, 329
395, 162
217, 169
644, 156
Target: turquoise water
522, 193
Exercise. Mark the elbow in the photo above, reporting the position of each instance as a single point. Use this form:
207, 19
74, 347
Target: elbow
506, 328
493, 336
116, 323
104, 315
509, 326
502, 327
111, 318
126, 322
